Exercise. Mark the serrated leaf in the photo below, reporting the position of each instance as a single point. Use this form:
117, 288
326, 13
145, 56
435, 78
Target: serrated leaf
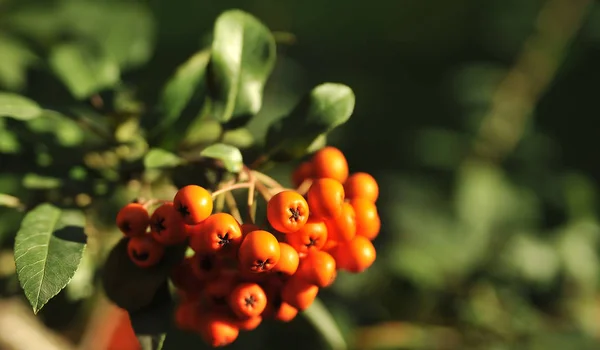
229, 155
18, 107
243, 57
320, 111
131, 287
159, 158
187, 86
48, 250
84, 71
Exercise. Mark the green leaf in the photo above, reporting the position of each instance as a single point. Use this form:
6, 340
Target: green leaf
229, 155
323, 109
39, 182
243, 56
15, 58
131, 287
318, 315
83, 70
186, 86
159, 158
48, 249
66, 131
152, 342
18, 107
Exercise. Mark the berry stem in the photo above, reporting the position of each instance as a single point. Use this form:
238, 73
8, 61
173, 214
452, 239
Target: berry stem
231, 188
250, 201
267, 180
304, 186
232, 205
152, 202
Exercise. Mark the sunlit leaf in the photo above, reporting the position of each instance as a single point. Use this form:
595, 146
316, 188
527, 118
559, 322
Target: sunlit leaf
158, 158
243, 56
18, 107
48, 249
84, 71
229, 155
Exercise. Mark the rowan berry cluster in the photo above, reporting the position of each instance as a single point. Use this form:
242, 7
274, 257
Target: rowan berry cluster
241, 273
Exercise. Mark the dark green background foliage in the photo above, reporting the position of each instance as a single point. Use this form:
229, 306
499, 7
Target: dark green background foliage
490, 239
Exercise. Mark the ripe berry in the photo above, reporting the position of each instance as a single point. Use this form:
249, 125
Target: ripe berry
220, 232
325, 198
183, 276
317, 268
288, 260
259, 251
299, 293
133, 220
368, 222
144, 251
247, 300
285, 312
287, 211
217, 330
304, 171
362, 185
330, 162
343, 227
354, 256
204, 266
312, 236
166, 226
248, 324
193, 203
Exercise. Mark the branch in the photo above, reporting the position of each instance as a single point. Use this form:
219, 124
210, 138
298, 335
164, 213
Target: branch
518, 93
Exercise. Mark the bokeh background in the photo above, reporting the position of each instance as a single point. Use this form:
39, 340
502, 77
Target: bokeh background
476, 117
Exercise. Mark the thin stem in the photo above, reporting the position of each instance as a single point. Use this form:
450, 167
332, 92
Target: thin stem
304, 186
232, 205
267, 180
264, 191
152, 202
230, 188
11, 201
259, 161
250, 201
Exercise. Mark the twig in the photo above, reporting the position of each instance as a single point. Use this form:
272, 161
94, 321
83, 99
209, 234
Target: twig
267, 180
231, 188
152, 202
250, 200
534, 70
304, 186
264, 191
232, 205
11, 201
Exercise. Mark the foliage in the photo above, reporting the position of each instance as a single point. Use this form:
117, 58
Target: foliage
107, 101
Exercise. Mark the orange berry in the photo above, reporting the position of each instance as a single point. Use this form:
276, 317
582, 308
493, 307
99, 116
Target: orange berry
368, 222
325, 198
247, 300
285, 312
304, 171
193, 203
183, 276
217, 291
330, 162
166, 225
217, 330
287, 211
312, 236
249, 324
133, 220
204, 266
299, 293
355, 256
317, 268
185, 316
259, 251
362, 185
144, 251
219, 232
343, 227
288, 260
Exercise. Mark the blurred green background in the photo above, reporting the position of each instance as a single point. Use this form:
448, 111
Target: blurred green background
475, 116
